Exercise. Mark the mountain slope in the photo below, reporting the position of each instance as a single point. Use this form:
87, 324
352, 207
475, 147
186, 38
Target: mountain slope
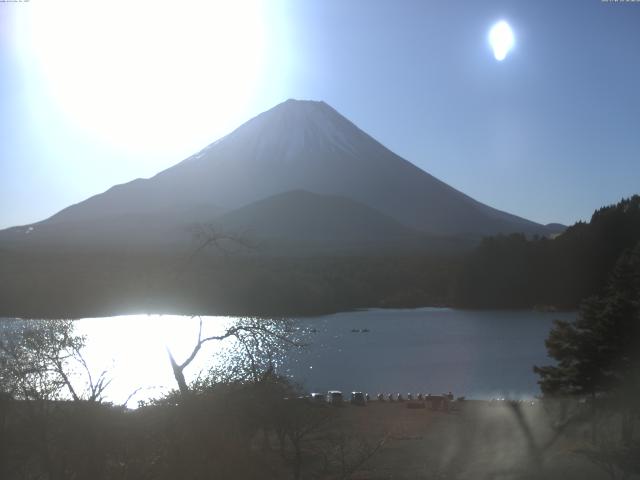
317, 221
298, 145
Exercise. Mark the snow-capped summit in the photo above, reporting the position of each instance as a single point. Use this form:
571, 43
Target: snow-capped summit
285, 132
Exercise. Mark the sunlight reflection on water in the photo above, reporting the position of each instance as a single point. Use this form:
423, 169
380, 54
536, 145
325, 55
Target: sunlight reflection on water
133, 349
480, 354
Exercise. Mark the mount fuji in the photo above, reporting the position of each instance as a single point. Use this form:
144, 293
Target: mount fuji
300, 156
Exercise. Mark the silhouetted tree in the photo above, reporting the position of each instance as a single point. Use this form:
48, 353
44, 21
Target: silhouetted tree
296, 420
41, 369
256, 340
598, 354
37, 359
344, 454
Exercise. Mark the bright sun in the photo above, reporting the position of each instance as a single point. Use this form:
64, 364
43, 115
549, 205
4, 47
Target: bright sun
136, 72
501, 40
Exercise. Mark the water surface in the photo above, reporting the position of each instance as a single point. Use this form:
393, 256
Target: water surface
477, 354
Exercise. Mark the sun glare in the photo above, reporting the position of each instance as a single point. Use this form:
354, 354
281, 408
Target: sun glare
134, 347
501, 40
132, 73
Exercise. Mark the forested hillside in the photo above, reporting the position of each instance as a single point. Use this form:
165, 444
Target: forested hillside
513, 271
502, 272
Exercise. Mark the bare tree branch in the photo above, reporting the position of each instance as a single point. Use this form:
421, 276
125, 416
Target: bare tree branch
208, 235
252, 327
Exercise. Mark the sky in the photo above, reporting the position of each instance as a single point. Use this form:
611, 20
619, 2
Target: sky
94, 93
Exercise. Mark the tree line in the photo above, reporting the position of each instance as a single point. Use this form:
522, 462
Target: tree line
512, 271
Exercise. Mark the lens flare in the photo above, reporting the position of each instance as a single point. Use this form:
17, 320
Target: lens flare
501, 39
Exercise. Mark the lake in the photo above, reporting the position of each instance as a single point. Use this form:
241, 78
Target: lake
477, 354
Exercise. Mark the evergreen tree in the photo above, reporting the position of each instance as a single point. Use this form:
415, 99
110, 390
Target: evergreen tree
599, 352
